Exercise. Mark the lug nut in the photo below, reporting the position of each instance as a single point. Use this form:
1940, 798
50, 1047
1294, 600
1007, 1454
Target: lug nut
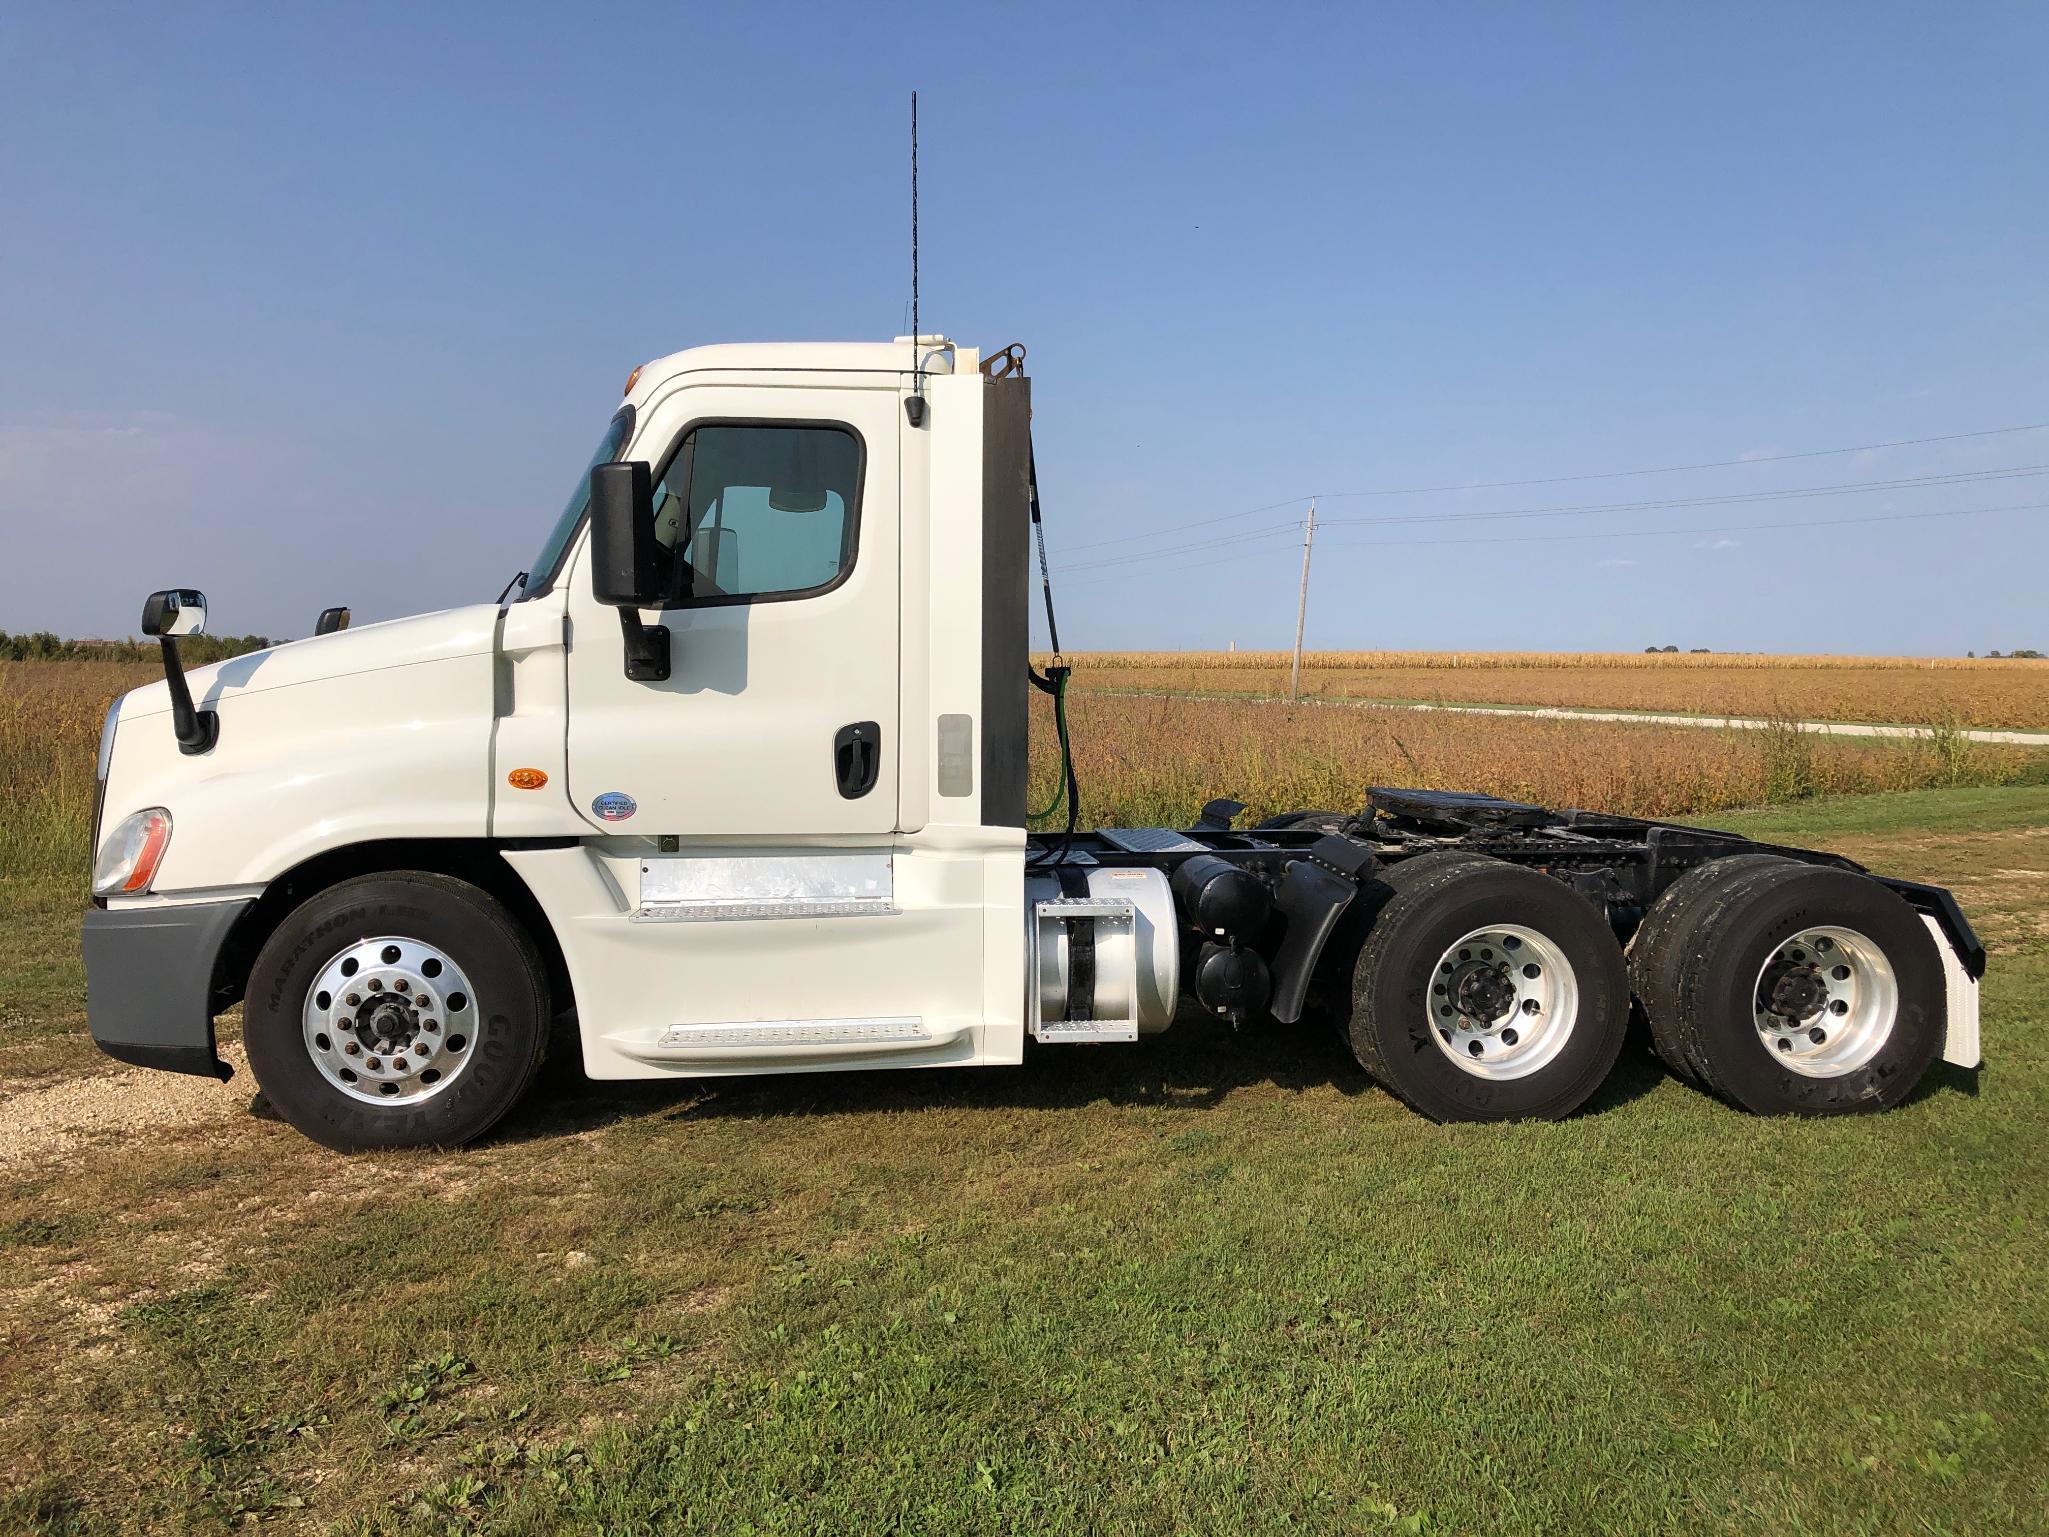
352, 1048
402, 985
429, 1026
398, 1064
374, 1065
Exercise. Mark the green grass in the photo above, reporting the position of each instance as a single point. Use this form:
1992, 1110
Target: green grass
1211, 1283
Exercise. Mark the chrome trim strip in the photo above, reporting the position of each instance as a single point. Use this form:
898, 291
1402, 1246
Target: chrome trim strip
905, 1030
719, 911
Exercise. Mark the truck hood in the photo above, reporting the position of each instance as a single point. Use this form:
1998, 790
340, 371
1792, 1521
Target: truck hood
452, 632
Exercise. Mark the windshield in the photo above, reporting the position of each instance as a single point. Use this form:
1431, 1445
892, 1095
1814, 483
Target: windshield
543, 570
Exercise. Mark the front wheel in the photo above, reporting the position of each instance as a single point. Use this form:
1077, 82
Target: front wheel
403, 1010
1487, 992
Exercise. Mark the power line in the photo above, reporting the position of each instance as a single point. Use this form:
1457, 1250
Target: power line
1250, 537
1711, 464
1554, 480
1638, 533
1172, 528
1724, 528
1734, 498
1839, 488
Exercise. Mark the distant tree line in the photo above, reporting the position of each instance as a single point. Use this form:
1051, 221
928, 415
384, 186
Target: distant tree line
196, 650
2022, 654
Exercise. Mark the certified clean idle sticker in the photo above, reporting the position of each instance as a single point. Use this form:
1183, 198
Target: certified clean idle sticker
614, 806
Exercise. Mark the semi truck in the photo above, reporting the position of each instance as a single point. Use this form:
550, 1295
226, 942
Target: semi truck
736, 784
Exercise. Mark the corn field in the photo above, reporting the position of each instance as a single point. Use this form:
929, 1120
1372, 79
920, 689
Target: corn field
1921, 691
1154, 761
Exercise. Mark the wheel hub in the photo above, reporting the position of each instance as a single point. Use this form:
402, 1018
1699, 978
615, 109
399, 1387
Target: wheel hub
1825, 1002
389, 1020
1482, 992
1502, 1002
1799, 993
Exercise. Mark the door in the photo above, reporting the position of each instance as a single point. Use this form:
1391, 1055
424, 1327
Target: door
776, 511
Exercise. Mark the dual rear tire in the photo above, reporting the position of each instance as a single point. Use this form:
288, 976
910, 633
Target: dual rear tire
1483, 991
1790, 989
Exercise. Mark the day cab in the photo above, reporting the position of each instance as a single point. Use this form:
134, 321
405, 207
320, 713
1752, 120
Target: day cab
766, 814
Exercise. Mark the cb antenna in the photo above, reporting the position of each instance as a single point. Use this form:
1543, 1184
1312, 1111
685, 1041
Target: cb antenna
914, 408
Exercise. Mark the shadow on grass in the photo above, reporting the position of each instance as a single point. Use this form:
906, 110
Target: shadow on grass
1946, 1077
1196, 1066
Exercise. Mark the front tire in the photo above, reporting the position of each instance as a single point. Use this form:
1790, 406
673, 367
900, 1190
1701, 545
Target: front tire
401, 1010
1487, 992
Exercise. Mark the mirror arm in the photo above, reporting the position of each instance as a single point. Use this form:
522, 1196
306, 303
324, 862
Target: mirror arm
647, 648
197, 730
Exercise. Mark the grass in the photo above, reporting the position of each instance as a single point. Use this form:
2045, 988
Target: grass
1214, 1282
1926, 691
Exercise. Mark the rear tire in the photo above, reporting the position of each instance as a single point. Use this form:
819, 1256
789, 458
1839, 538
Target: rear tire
400, 1010
1803, 990
1330, 994
1487, 992
1663, 939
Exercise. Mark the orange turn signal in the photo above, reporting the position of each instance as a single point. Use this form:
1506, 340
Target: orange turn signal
526, 779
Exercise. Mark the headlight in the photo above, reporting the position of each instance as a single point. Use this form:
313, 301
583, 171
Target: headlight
129, 862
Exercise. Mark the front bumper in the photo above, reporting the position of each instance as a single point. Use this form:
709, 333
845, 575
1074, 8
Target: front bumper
149, 983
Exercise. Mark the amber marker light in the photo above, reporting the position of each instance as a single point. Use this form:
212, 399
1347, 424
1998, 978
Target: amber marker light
631, 380
526, 779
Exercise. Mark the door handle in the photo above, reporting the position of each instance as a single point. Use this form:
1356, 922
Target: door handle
857, 758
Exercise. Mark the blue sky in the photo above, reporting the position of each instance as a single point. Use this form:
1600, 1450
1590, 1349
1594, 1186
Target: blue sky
327, 306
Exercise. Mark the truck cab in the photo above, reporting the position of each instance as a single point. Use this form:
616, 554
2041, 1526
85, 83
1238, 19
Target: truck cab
798, 840
736, 784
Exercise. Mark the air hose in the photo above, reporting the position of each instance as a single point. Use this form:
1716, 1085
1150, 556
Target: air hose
1053, 681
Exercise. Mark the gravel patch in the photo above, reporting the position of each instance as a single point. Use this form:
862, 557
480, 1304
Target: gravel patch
43, 1123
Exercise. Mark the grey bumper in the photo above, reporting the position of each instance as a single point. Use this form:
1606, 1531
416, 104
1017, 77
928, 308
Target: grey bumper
149, 983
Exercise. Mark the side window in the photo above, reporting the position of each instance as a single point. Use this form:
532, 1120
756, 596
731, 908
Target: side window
751, 510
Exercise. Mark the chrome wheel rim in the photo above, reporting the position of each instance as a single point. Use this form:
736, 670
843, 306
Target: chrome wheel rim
1502, 1002
389, 1021
1826, 1002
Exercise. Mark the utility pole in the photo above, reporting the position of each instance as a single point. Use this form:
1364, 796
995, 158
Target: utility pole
1302, 601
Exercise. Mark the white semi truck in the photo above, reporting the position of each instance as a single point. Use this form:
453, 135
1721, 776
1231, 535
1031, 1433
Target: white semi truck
737, 784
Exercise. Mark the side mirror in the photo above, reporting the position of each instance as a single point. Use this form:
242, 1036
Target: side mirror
626, 563
173, 612
625, 560
166, 616
331, 620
